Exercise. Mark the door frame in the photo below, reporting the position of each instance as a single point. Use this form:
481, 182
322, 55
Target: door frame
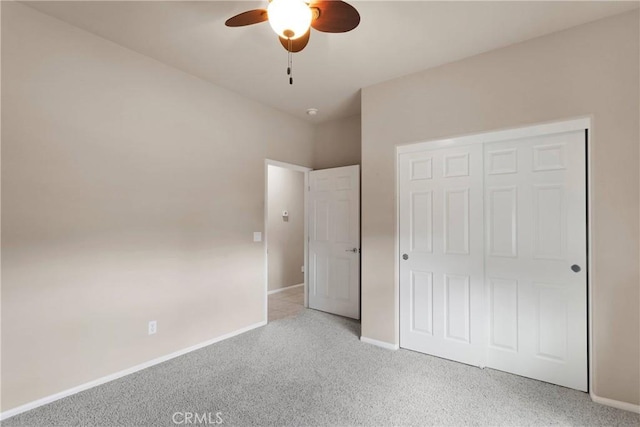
297, 168
567, 125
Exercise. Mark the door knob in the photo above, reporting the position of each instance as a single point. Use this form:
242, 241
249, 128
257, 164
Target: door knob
405, 257
575, 268
354, 250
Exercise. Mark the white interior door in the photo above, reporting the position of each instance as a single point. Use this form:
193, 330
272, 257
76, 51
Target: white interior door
535, 209
441, 247
494, 236
334, 241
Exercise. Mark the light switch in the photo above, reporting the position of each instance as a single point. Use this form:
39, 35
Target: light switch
257, 236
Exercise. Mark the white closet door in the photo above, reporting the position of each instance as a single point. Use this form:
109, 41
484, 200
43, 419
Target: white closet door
334, 241
441, 237
535, 210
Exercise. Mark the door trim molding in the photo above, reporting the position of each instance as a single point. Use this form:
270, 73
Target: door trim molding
567, 125
305, 170
497, 135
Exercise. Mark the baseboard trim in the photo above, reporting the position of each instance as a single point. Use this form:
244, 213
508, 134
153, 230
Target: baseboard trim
377, 343
615, 403
52, 398
275, 291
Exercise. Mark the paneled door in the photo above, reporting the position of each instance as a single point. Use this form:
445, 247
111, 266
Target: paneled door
334, 241
535, 210
493, 252
441, 250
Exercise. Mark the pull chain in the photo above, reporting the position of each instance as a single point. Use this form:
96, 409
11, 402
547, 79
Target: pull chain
290, 63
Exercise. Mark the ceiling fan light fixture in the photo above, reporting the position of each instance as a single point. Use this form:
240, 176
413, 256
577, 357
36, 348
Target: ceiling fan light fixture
290, 19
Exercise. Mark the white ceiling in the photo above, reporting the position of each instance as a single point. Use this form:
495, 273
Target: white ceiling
394, 38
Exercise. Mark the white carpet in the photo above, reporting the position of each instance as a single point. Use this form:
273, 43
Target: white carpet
311, 370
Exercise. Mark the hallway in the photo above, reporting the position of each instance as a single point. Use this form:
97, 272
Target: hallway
288, 303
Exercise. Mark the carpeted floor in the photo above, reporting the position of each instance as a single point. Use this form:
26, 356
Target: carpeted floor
312, 370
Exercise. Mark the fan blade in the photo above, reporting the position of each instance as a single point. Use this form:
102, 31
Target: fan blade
247, 18
298, 44
335, 16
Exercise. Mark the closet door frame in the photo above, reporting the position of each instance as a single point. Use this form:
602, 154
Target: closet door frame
575, 124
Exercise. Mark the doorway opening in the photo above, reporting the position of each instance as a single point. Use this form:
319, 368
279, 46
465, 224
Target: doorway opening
285, 239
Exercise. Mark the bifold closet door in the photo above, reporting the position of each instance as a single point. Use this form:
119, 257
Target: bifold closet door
441, 250
535, 270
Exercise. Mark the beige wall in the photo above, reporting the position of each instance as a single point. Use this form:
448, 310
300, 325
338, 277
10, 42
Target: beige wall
285, 235
130, 192
588, 70
337, 143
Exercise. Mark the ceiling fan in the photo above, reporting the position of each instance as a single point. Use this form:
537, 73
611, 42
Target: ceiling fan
292, 21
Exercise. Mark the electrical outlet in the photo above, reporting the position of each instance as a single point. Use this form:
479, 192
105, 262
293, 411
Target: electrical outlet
153, 327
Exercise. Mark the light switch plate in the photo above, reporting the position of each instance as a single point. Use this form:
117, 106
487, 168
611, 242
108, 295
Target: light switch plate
257, 236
